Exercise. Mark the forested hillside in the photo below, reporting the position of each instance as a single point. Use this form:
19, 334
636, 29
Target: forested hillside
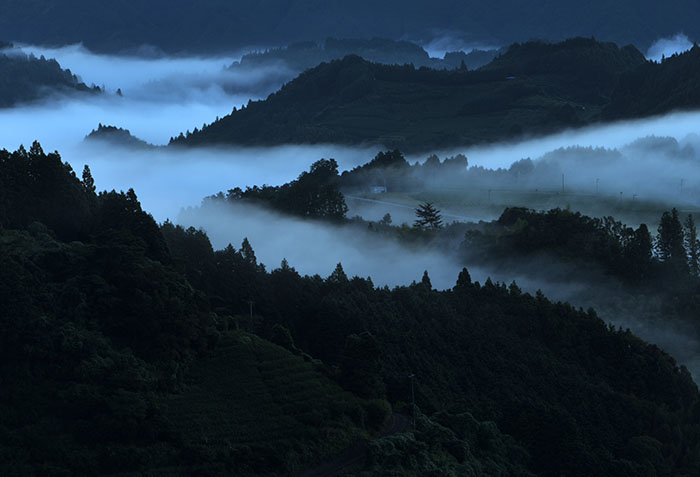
125, 343
531, 88
657, 88
27, 78
218, 25
110, 360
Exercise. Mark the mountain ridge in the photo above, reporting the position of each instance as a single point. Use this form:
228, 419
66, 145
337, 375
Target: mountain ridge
532, 88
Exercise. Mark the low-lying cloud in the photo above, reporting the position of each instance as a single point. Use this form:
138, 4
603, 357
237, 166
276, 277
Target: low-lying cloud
665, 47
167, 180
315, 247
164, 78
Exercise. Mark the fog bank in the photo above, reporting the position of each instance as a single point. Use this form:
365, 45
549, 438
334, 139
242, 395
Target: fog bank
610, 135
314, 247
665, 47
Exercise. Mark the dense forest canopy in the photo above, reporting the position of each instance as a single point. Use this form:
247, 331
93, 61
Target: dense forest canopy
218, 25
113, 322
657, 88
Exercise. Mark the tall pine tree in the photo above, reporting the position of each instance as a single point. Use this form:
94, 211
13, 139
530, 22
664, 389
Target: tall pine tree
428, 217
669, 242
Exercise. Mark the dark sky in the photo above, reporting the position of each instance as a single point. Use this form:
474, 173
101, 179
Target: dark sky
209, 25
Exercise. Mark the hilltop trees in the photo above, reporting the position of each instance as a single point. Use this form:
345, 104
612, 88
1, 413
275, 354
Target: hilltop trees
314, 194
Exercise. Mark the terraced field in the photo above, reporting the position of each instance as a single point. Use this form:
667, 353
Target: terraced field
255, 401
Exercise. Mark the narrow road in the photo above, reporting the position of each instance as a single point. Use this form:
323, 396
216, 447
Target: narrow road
356, 454
404, 206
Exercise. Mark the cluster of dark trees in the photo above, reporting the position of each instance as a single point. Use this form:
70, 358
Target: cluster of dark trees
314, 194
630, 254
27, 78
632, 273
531, 88
178, 26
391, 170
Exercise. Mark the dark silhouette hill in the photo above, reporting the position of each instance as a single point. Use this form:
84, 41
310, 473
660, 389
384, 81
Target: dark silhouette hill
116, 136
26, 78
532, 88
657, 88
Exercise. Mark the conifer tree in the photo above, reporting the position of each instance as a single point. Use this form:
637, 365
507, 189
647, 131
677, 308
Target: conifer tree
247, 252
426, 280
670, 240
88, 181
338, 276
428, 217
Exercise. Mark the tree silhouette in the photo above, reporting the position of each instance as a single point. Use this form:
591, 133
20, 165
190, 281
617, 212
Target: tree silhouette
88, 182
428, 217
670, 240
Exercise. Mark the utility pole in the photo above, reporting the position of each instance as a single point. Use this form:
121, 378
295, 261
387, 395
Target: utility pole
251, 303
596, 186
413, 400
